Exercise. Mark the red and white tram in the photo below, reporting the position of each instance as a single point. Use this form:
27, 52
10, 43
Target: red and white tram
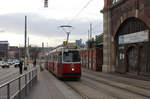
64, 62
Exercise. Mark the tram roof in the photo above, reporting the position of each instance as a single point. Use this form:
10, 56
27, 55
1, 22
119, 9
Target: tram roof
61, 48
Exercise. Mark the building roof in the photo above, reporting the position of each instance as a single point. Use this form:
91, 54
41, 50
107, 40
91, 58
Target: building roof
4, 42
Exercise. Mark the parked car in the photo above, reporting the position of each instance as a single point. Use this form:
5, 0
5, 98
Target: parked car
1, 63
10, 62
16, 64
5, 65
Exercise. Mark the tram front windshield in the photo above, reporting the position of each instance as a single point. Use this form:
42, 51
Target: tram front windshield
71, 56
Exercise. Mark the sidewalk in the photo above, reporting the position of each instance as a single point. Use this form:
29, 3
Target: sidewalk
49, 87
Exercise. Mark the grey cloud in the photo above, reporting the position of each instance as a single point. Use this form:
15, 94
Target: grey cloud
39, 25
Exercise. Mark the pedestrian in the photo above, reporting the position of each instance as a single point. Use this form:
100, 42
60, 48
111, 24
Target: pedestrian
20, 67
34, 63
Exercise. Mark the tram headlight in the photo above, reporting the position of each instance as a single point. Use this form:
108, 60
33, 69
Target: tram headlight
72, 69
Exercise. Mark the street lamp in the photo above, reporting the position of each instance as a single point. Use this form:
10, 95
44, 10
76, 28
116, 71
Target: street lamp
67, 29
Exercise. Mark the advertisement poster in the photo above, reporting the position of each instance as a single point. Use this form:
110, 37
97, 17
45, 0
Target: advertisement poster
142, 36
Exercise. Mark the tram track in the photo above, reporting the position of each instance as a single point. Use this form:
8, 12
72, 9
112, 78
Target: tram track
88, 90
138, 91
77, 91
8, 75
121, 80
105, 88
91, 85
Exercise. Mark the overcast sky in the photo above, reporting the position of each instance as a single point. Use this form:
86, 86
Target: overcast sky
43, 22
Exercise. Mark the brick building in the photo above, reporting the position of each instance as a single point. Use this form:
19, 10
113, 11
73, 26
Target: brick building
13, 52
126, 36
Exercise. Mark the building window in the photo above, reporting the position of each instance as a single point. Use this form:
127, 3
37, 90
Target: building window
115, 1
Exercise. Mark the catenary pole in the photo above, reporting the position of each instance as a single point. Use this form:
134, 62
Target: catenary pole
25, 43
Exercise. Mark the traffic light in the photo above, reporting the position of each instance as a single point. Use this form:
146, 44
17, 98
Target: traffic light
65, 42
45, 3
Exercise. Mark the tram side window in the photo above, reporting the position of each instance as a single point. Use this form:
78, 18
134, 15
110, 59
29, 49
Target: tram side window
46, 58
55, 57
50, 57
60, 57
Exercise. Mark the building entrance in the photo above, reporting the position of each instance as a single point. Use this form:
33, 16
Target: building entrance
132, 47
132, 59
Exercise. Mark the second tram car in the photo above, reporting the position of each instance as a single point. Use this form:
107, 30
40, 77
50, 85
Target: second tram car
64, 62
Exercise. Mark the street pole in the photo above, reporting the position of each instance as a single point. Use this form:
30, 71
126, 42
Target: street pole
28, 42
28, 54
90, 30
88, 35
25, 47
19, 51
43, 47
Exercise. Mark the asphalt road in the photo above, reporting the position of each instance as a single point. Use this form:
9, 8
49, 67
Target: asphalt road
7, 74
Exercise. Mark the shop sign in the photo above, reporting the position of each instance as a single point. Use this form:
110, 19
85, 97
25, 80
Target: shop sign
142, 36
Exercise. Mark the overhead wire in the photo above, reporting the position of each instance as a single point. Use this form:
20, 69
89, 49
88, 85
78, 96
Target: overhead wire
84, 7
80, 11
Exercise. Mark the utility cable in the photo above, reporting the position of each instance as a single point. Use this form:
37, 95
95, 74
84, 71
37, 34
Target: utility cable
84, 7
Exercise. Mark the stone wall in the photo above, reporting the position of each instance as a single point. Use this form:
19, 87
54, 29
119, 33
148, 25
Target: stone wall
127, 9
114, 15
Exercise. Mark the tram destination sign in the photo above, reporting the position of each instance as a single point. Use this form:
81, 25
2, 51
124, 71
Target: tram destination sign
142, 36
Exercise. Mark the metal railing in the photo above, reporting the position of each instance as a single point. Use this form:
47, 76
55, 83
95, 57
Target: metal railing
18, 87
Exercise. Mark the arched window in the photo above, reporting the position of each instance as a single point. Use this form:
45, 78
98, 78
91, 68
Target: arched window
115, 1
132, 25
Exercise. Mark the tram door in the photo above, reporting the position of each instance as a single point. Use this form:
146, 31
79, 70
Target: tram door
132, 58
